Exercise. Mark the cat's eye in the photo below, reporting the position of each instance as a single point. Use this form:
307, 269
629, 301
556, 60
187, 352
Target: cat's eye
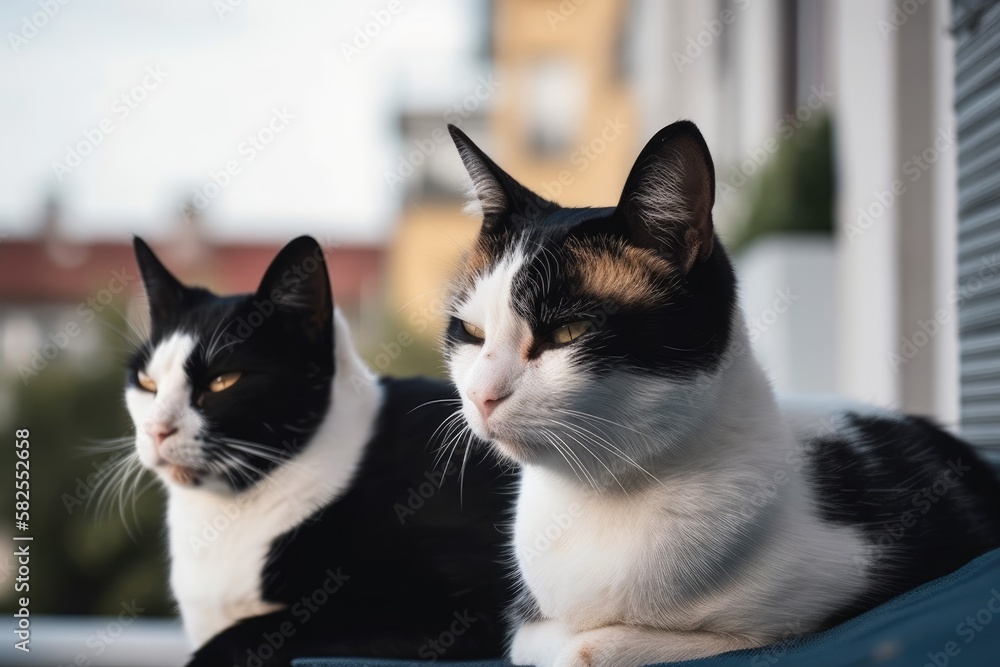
223, 382
570, 332
146, 382
474, 331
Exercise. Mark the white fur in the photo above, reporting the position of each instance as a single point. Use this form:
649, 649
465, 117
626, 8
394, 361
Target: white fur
660, 197
169, 408
718, 546
490, 197
219, 540
497, 369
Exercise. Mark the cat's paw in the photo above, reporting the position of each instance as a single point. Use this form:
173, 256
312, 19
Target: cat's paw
539, 643
625, 646
587, 650
580, 656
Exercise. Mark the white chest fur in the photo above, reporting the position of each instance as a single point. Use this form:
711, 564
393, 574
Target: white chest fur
218, 546
574, 550
687, 554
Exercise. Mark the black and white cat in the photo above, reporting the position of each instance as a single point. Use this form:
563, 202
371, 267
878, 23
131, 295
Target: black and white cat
306, 512
668, 508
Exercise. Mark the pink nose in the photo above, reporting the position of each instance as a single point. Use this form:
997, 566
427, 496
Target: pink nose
159, 433
486, 402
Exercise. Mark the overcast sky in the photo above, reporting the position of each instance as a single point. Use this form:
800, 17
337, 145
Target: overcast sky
196, 86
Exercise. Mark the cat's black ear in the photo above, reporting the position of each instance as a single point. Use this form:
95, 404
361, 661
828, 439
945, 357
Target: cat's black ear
498, 194
163, 291
298, 285
668, 196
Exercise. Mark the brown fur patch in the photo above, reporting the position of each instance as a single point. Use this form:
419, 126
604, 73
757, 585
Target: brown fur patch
621, 273
473, 264
477, 259
182, 475
528, 347
585, 656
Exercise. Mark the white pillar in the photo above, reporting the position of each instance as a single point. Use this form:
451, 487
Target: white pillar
945, 221
864, 98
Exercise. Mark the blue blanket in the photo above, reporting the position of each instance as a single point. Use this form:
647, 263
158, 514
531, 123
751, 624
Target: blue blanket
954, 621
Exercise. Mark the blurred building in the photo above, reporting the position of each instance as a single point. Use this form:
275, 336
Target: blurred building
552, 106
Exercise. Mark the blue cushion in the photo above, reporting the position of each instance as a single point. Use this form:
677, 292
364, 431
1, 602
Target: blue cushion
954, 620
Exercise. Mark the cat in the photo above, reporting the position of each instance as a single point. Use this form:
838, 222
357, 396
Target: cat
307, 511
668, 507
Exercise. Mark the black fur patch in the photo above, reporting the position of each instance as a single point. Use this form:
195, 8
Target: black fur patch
923, 498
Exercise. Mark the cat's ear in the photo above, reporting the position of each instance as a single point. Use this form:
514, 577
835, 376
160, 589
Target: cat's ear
668, 196
163, 291
497, 194
298, 285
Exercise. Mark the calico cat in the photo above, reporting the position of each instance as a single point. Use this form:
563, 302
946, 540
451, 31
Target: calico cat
668, 508
307, 514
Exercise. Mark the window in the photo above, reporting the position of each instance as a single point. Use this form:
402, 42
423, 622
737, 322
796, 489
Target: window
977, 106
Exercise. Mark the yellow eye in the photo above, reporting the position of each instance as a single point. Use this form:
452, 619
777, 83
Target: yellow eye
474, 331
146, 382
570, 332
223, 382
